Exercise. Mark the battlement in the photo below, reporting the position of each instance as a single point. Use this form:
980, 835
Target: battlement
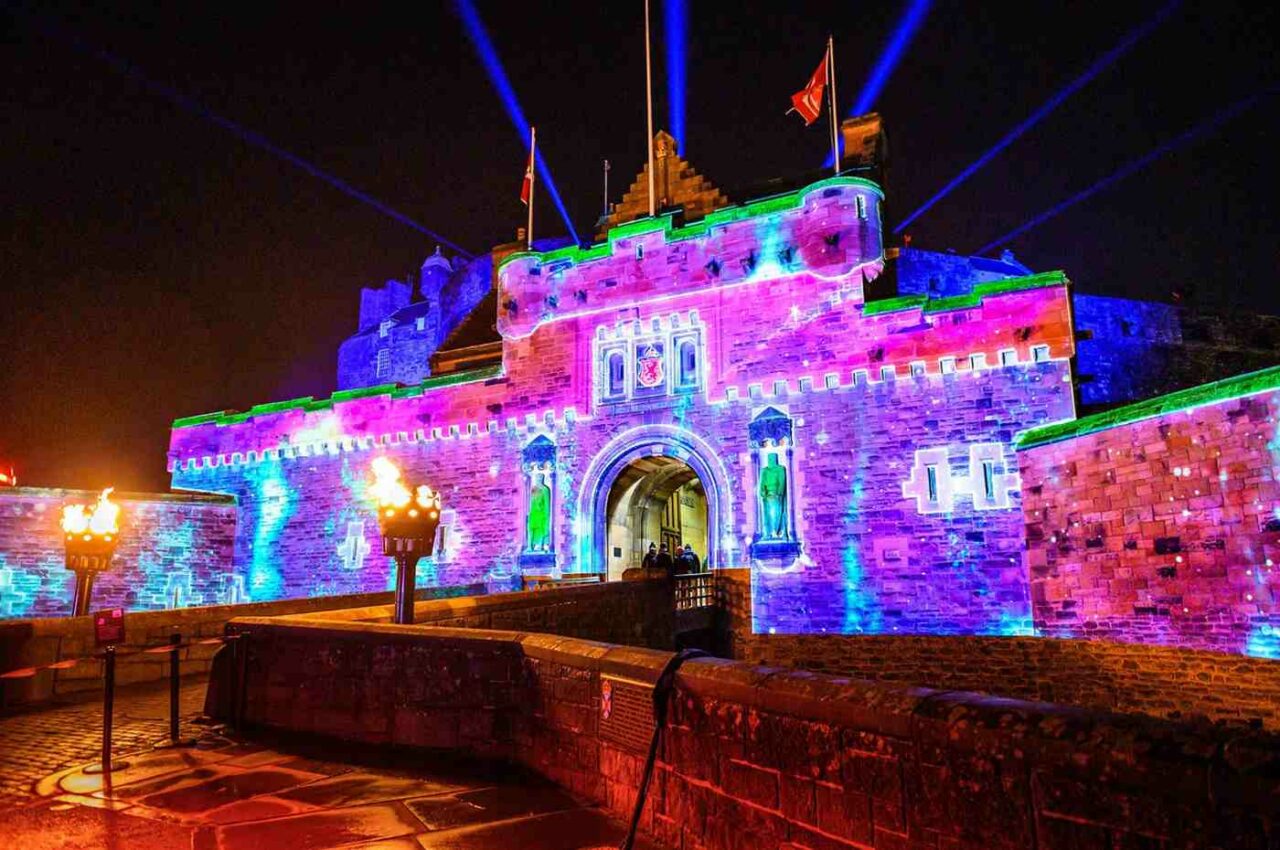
826, 229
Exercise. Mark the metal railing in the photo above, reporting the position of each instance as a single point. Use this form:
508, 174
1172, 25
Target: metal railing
695, 590
546, 582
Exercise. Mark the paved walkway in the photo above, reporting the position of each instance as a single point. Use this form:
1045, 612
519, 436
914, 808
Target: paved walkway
224, 794
49, 738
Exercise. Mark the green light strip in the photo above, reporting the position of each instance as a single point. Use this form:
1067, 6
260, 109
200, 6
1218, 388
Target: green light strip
1252, 383
964, 302
309, 404
663, 223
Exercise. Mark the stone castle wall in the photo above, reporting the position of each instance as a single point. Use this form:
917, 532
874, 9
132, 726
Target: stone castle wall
175, 551
1103, 675
873, 395
1161, 527
757, 758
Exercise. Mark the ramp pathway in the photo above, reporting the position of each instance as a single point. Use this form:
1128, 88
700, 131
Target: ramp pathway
225, 794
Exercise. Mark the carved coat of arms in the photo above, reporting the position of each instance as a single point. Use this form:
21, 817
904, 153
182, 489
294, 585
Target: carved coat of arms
650, 372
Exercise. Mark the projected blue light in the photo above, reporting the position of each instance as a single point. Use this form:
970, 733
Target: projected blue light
1099, 65
675, 29
908, 25
193, 106
479, 37
910, 22
1212, 123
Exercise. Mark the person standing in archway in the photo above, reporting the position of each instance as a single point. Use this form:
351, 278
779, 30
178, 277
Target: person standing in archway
650, 561
665, 561
689, 561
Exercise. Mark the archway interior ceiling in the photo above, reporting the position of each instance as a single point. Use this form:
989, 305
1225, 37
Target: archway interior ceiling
661, 477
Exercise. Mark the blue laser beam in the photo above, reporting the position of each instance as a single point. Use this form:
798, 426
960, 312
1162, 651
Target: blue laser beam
912, 18
483, 45
1194, 134
1097, 67
675, 31
908, 25
190, 104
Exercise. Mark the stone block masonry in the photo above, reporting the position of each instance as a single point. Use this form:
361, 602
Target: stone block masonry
1160, 522
762, 758
727, 344
175, 550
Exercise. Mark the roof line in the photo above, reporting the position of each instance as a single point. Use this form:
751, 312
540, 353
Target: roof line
1250, 383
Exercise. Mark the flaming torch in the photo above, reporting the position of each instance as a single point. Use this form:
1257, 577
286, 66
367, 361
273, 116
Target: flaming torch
91, 536
408, 520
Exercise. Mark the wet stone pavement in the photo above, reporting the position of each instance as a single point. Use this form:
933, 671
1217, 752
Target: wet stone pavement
227, 794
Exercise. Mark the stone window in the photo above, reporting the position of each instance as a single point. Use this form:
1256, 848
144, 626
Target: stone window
385, 328
422, 323
383, 364
688, 363
1008, 357
862, 206
617, 374
1040, 353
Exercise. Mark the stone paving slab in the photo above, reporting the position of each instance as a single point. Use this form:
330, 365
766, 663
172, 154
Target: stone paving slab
49, 738
225, 794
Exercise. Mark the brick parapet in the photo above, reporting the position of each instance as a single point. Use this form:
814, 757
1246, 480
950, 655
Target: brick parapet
765, 758
1103, 675
1162, 529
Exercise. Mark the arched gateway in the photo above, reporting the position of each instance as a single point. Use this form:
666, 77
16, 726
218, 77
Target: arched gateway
636, 472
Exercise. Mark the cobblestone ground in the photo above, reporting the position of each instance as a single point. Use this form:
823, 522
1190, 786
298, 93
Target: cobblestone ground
44, 740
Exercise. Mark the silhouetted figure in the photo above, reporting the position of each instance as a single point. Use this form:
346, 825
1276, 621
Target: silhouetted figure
665, 561
651, 558
689, 560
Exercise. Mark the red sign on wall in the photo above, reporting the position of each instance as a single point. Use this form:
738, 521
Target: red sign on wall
108, 627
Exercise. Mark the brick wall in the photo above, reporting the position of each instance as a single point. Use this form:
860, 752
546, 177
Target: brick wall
869, 390
761, 758
635, 613
1161, 530
32, 643
172, 547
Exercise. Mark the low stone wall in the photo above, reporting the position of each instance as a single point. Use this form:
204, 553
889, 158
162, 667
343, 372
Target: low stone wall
30, 643
1160, 681
635, 613
1156, 523
761, 758
173, 547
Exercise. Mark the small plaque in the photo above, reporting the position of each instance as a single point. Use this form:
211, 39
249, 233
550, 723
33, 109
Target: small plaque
108, 627
626, 713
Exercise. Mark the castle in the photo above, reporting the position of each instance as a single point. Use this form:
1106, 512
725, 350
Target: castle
764, 381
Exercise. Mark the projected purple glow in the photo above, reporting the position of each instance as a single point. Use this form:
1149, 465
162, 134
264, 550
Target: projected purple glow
1212, 123
1099, 65
675, 32
480, 40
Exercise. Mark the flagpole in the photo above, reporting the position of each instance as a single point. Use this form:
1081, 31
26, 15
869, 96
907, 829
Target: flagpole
835, 127
533, 178
648, 86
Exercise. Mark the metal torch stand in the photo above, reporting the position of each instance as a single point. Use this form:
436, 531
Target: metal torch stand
85, 567
406, 578
406, 551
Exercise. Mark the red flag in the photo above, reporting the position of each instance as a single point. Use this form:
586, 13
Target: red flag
526, 187
808, 101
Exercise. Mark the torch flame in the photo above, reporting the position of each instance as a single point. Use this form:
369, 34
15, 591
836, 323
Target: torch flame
104, 519
387, 487
428, 499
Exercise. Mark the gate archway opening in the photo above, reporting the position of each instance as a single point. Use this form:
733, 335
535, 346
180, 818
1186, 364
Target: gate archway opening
655, 499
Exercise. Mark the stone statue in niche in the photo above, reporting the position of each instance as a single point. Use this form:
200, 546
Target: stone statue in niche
539, 521
773, 498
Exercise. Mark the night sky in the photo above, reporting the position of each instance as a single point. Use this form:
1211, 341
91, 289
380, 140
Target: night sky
155, 265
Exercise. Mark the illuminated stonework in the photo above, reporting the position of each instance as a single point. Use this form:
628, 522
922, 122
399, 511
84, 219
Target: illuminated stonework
738, 350
986, 483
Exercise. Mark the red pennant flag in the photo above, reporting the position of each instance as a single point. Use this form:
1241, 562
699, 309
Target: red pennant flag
808, 101
526, 187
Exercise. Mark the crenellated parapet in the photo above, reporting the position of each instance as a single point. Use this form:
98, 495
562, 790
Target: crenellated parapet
827, 229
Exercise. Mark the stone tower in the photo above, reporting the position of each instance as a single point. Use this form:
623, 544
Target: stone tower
675, 184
